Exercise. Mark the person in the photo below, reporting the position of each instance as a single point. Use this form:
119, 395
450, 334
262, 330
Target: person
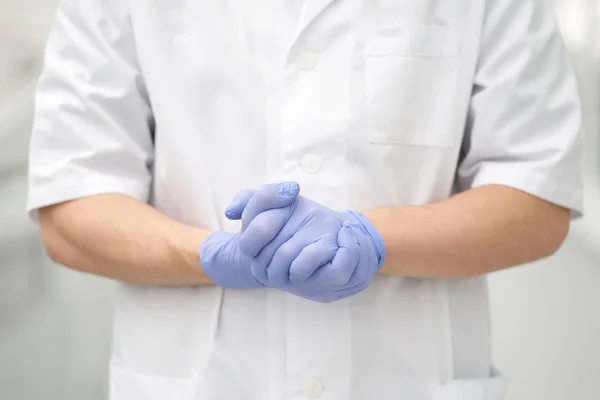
383, 157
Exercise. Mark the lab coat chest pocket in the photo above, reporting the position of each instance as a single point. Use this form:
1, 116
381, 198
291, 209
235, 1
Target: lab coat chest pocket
411, 76
493, 388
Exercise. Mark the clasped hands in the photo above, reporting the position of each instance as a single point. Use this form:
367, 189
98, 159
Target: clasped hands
291, 243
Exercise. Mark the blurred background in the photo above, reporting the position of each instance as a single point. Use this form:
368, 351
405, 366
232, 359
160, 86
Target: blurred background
55, 323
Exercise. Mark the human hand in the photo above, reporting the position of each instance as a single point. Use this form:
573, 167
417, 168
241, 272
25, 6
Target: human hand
220, 254
319, 253
356, 258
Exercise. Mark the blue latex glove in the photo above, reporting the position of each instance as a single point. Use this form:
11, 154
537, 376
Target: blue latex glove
225, 264
220, 254
299, 257
357, 257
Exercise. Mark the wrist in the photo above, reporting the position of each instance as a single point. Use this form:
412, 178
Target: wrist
189, 251
184, 248
209, 253
375, 235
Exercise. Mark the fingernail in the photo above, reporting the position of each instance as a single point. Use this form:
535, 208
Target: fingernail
289, 189
230, 210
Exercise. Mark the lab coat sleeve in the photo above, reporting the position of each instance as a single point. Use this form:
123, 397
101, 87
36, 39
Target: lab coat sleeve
524, 128
92, 123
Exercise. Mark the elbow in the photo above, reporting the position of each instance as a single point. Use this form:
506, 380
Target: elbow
53, 244
559, 238
56, 246
554, 232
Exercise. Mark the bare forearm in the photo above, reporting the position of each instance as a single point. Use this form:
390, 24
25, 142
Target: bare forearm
121, 238
477, 232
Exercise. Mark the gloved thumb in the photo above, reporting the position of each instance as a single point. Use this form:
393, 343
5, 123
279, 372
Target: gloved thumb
268, 197
235, 209
247, 204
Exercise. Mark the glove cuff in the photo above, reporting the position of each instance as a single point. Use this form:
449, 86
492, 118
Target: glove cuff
375, 236
215, 258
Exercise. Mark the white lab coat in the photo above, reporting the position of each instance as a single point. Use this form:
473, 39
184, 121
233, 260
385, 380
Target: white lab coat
365, 104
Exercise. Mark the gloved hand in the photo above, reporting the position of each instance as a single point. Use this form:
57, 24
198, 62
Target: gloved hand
301, 256
224, 263
220, 254
356, 258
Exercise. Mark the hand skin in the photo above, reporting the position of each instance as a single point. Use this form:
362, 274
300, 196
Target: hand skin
473, 233
118, 237
477, 232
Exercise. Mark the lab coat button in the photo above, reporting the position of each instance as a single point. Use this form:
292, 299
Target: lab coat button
308, 61
313, 389
311, 163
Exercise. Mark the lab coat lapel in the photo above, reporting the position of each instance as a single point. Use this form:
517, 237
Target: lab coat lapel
310, 11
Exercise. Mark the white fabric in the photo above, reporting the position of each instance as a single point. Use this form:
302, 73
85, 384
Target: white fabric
366, 104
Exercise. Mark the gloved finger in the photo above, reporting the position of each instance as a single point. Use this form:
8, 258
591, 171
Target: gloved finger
345, 262
311, 258
342, 293
274, 195
264, 226
278, 271
235, 209
262, 230
325, 294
